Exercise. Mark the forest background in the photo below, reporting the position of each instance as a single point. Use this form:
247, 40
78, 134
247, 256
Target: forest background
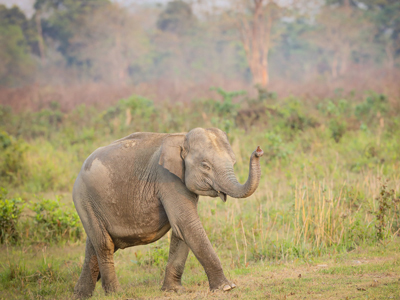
98, 51
314, 83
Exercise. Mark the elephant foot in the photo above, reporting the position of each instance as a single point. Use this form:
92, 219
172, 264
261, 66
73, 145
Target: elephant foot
224, 286
81, 295
177, 288
82, 291
112, 288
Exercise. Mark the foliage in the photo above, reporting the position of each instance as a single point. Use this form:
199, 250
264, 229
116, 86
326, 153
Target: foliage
387, 212
226, 107
274, 146
374, 105
306, 145
102, 41
17, 66
63, 18
56, 221
10, 213
140, 107
12, 159
337, 128
177, 17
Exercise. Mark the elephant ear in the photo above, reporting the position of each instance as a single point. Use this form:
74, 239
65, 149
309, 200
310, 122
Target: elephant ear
172, 155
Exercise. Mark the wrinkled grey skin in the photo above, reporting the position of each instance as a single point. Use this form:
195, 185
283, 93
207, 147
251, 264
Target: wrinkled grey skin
134, 190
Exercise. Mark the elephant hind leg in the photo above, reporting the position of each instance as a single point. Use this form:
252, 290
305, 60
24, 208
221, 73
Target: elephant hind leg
178, 253
99, 276
104, 247
90, 272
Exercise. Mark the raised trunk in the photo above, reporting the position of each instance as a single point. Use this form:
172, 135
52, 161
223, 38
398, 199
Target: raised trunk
230, 186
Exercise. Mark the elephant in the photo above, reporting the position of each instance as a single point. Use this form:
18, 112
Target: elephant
133, 191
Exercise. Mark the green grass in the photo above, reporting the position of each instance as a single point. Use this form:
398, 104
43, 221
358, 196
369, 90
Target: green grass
51, 272
329, 194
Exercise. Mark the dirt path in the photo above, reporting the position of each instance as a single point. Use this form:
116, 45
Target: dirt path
352, 278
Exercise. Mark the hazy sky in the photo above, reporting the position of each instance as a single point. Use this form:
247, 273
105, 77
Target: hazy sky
306, 6
27, 5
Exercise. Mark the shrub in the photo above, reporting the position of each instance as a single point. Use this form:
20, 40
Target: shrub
137, 105
293, 116
337, 129
226, 107
11, 157
10, 212
388, 210
374, 104
275, 147
56, 221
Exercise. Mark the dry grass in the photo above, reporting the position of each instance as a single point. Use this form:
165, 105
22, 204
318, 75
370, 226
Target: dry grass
364, 273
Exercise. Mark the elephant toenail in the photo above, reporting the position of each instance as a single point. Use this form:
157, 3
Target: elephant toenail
226, 288
233, 285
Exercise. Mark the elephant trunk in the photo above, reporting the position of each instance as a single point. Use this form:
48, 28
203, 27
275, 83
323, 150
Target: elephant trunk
230, 186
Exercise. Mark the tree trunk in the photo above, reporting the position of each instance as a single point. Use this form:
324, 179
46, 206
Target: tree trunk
40, 34
255, 37
334, 66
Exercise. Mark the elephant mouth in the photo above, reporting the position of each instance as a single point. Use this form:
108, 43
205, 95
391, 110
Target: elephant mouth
222, 196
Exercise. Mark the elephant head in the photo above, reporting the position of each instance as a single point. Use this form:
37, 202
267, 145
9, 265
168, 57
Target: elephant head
203, 159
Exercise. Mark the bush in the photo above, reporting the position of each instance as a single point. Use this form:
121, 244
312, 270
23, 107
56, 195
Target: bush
337, 129
10, 212
374, 105
11, 157
388, 210
226, 108
274, 146
55, 221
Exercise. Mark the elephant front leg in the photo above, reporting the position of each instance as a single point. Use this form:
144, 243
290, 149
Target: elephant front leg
196, 237
186, 225
178, 253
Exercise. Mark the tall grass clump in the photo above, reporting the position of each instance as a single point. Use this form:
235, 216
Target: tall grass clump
10, 213
320, 190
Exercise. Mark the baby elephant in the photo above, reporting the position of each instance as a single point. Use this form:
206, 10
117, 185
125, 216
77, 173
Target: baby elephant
134, 190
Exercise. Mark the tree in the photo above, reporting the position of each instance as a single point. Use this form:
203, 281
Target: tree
16, 65
177, 17
61, 19
256, 21
108, 43
386, 16
340, 31
255, 28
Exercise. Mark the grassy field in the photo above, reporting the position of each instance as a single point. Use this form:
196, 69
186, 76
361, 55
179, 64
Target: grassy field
324, 222
372, 272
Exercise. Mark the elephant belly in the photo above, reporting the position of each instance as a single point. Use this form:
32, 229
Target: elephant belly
141, 239
140, 227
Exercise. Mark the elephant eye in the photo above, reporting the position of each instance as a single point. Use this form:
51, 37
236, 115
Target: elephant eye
205, 166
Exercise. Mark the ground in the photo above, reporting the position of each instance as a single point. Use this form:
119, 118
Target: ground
43, 272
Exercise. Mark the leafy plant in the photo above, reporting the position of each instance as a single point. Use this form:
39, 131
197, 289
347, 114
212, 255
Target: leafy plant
55, 220
374, 104
275, 147
388, 207
227, 107
337, 129
11, 157
263, 95
10, 212
291, 115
